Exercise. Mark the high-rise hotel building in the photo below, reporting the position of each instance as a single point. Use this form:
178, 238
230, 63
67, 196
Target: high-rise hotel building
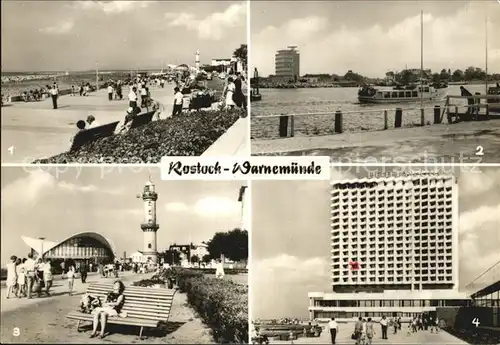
394, 248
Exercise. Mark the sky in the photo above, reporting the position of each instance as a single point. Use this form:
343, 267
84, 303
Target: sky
373, 37
56, 205
291, 238
73, 35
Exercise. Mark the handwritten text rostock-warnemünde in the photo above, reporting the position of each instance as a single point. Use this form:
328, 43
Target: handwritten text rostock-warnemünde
243, 168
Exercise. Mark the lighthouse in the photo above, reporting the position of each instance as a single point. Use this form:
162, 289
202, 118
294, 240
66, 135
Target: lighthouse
197, 61
149, 226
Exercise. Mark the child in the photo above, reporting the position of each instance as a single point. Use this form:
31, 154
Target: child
71, 278
410, 328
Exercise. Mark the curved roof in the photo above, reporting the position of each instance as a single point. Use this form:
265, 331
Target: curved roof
183, 67
36, 243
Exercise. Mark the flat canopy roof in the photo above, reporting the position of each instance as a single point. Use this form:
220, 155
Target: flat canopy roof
487, 290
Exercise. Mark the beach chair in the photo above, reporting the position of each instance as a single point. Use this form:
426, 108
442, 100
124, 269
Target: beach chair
146, 307
142, 119
89, 135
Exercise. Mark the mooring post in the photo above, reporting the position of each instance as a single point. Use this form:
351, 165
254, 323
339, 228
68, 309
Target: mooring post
399, 118
437, 114
292, 125
422, 117
338, 121
386, 121
283, 126
487, 109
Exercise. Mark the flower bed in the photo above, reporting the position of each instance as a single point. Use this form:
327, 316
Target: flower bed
223, 305
149, 282
190, 134
229, 271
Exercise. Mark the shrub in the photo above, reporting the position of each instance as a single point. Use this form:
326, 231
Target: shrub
223, 305
190, 134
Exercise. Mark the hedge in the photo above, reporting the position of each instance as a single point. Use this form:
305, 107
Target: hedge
223, 305
189, 134
229, 271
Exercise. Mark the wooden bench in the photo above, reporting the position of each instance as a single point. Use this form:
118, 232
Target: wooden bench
145, 307
89, 135
142, 119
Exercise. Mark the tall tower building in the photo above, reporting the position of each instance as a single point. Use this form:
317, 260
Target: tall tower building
287, 63
197, 61
149, 226
394, 248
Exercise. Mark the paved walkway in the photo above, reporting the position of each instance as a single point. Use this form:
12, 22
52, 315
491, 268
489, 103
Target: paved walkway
35, 130
345, 331
455, 143
43, 320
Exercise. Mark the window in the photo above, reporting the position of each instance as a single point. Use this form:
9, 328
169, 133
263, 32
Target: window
149, 246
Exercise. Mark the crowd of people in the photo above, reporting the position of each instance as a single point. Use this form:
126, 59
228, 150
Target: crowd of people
364, 329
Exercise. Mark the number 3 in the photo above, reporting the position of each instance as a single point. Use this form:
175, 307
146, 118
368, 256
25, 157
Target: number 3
16, 332
479, 151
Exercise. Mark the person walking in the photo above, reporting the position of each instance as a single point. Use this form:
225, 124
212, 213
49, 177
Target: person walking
132, 98
11, 276
47, 276
333, 326
383, 323
370, 331
30, 271
358, 326
110, 92
54, 93
71, 279
178, 98
21, 278
83, 272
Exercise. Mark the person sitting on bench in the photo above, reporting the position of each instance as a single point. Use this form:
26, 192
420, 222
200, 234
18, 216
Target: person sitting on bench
81, 127
112, 307
92, 122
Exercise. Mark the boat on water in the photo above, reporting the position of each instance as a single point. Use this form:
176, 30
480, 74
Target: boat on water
494, 104
409, 93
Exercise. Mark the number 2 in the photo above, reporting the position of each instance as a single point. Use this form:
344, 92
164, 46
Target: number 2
16, 332
479, 151
476, 322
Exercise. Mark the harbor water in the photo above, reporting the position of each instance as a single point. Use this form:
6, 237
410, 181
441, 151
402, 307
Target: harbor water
357, 117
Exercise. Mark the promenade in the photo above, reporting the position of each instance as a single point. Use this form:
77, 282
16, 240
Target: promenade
345, 331
455, 143
34, 130
42, 320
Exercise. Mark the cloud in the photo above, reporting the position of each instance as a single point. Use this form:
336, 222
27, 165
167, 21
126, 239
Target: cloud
59, 29
112, 7
217, 207
476, 184
373, 50
30, 189
291, 268
176, 207
213, 26
471, 221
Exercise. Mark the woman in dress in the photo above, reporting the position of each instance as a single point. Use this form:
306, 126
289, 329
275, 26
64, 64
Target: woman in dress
20, 278
112, 307
11, 275
230, 88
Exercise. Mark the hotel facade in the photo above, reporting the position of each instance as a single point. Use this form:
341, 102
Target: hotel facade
394, 248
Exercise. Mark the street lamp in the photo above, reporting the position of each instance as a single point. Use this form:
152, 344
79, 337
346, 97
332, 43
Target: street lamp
41, 252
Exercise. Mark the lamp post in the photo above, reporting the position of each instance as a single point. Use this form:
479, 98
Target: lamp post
96, 76
41, 252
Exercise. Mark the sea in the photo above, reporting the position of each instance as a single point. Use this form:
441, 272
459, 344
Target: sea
357, 117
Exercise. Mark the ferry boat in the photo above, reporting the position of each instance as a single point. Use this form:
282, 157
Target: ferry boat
370, 94
494, 104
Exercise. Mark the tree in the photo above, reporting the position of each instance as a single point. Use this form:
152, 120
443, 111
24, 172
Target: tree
457, 75
171, 257
206, 258
232, 244
241, 53
444, 75
195, 259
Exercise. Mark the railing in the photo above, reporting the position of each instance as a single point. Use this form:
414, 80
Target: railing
287, 122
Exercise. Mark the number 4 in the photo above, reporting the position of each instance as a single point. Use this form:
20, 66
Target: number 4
476, 322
